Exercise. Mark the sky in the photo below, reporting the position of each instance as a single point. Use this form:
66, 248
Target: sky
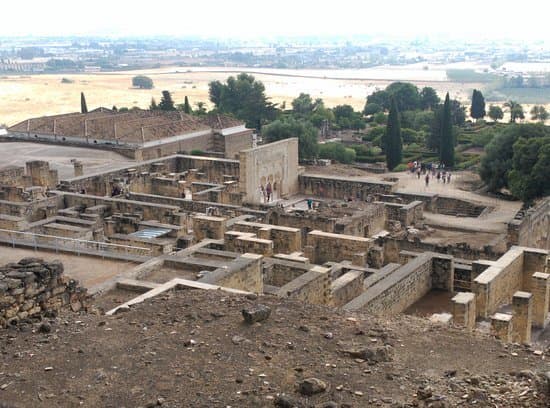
479, 19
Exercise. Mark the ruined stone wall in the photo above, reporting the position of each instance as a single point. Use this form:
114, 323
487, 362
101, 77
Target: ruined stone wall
285, 239
324, 247
397, 291
279, 272
275, 163
208, 227
341, 187
33, 211
346, 287
498, 283
235, 142
32, 287
532, 227
311, 287
199, 142
244, 273
214, 169
12, 176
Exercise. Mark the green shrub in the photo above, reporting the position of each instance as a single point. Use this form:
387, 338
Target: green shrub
197, 152
401, 167
337, 152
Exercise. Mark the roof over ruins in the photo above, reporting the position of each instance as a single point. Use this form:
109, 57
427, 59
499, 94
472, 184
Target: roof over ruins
134, 126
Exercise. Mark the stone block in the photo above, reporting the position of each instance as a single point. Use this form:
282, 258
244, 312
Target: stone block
501, 326
522, 310
464, 312
540, 288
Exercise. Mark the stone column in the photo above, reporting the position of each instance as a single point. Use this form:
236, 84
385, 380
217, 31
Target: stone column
464, 310
501, 326
78, 168
522, 309
540, 288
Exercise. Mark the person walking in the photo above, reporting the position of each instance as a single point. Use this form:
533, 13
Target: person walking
449, 178
427, 179
268, 191
438, 176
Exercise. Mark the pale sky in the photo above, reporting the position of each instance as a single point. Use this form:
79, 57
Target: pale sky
482, 19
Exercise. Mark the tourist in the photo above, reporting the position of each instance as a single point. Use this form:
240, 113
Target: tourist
427, 179
309, 203
449, 178
268, 191
438, 176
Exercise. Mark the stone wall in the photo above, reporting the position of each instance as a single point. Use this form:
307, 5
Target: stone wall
11, 176
278, 272
397, 291
275, 163
237, 141
531, 228
311, 287
285, 239
346, 287
341, 187
208, 227
406, 214
244, 273
324, 247
32, 287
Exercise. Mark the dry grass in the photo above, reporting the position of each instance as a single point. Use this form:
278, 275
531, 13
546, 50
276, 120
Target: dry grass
22, 97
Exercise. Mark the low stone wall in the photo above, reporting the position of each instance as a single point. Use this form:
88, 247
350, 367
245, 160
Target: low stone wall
397, 291
531, 228
285, 239
311, 287
244, 273
32, 287
340, 187
346, 287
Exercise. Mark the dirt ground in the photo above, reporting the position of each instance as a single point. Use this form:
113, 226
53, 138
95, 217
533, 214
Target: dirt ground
27, 96
89, 271
59, 157
192, 349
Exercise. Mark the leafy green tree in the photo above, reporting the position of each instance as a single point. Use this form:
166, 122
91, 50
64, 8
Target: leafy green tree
433, 141
153, 105
539, 113
303, 105
393, 144
166, 102
338, 152
516, 111
372, 108
477, 110
528, 177
142, 82
428, 98
380, 98
447, 149
495, 113
458, 113
500, 159
186, 106
289, 127
83, 106
347, 118
245, 98
406, 96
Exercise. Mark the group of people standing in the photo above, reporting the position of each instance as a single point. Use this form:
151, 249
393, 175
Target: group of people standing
267, 192
436, 170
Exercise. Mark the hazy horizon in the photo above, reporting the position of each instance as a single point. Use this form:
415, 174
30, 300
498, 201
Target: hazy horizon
248, 20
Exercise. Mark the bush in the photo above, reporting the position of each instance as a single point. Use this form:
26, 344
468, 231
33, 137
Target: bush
372, 108
401, 167
66, 81
337, 152
197, 152
380, 118
483, 137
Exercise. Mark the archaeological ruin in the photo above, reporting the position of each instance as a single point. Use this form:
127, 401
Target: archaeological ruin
249, 219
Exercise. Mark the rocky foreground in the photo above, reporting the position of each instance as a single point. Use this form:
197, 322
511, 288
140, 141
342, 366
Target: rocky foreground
194, 349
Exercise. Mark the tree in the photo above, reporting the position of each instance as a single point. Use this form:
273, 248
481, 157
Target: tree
428, 98
516, 111
245, 98
142, 82
338, 152
347, 118
153, 105
371, 109
83, 106
406, 96
289, 127
539, 113
477, 110
201, 108
186, 107
518, 158
447, 149
393, 144
166, 102
303, 105
458, 114
495, 113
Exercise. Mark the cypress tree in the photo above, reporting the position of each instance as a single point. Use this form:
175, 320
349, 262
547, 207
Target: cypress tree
393, 142
166, 102
153, 105
477, 110
83, 107
186, 106
447, 149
